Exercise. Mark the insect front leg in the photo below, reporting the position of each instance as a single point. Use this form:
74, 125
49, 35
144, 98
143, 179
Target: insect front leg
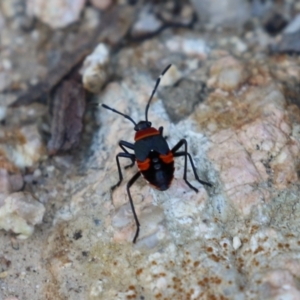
129, 184
126, 155
124, 144
187, 155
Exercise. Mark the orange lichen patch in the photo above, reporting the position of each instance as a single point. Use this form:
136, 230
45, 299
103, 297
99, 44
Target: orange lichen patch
204, 282
260, 75
14, 137
146, 133
131, 287
255, 262
225, 116
226, 109
196, 263
280, 245
259, 249
139, 272
215, 258
143, 165
6, 164
223, 297
289, 235
168, 158
209, 249
253, 229
215, 280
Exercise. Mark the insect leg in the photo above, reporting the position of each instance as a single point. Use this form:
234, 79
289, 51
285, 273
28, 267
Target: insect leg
124, 144
161, 129
129, 184
126, 155
186, 154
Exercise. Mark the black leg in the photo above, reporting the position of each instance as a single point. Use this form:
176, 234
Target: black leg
129, 184
126, 155
161, 129
186, 154
124, 144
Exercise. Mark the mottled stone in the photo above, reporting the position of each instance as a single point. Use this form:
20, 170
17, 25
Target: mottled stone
280, 284
94, 71
228, 13
181, 100
102, 4
57, 13
23, 147
227, 74
19, 213
146, 23
191, 46
236, 240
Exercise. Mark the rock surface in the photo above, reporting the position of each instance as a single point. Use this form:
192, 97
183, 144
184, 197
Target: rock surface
57, 13
19, 213
235, 104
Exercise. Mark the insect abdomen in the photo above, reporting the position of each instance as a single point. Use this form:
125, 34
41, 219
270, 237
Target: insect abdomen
158, 170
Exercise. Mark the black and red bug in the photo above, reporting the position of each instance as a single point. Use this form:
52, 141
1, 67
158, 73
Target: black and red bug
154, 158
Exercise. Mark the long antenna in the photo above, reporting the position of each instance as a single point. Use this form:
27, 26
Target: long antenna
154, 90
127, 117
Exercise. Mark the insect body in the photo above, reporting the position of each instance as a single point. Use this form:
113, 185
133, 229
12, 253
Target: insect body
154, 158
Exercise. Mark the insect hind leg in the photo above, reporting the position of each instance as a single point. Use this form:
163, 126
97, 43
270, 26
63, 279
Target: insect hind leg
129, 184
186, 155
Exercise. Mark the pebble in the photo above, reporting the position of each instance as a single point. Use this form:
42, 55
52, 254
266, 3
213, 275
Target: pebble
191, 46
102, 4
146, 23
294, 25
226, 13
227, 74
56, 13
25, 147
19, 213
94, 71
236, 243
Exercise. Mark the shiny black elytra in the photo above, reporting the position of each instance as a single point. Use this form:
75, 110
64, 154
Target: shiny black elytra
153, 156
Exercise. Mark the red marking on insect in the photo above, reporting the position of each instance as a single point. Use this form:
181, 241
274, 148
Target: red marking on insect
168, 158
145, 133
